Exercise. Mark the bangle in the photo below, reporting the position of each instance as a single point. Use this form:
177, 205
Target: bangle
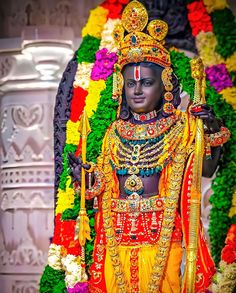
98, 185
218, 138
92, 167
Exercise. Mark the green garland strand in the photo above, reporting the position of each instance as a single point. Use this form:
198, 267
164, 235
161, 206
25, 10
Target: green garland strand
52, 281
182, 69
68, 148
88, 49
223, 185
225, 30
101, 120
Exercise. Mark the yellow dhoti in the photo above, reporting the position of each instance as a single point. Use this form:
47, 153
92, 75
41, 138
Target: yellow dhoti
142, 265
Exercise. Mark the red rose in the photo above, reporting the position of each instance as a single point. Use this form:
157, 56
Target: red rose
78, 103
57, 230
198, 18
231, 236
74, 248
228, 254
124, 1
115, 9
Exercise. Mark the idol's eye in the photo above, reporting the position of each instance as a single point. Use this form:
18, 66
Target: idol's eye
147, 82
130, 84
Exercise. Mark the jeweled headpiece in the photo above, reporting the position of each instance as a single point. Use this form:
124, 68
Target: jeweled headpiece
138, 46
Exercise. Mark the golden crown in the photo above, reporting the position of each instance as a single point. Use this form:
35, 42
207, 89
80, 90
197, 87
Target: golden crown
138, 46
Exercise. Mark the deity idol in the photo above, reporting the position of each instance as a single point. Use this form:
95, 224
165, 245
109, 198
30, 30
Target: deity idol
145, 177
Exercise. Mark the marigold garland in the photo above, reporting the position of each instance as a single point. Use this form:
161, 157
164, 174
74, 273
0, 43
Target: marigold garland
77, 103
96, 21
206, 43
231, 62
65, 199
229, 94
72, 134
95, 87
232, 211
198, 17
212, 5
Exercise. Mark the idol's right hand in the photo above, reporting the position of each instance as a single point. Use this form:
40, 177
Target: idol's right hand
75, 165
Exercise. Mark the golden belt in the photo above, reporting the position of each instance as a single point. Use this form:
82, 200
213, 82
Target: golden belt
134, 203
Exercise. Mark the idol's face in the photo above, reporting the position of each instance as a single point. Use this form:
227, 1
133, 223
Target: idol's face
143, 88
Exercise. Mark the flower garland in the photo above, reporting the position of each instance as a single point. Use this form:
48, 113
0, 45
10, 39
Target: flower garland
225, 279
213, 47
92, 92
63, 271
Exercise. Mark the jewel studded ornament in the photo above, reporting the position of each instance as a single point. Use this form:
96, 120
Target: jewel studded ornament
138, 46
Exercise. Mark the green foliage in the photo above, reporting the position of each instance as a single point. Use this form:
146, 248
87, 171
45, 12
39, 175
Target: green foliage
88, 49
224, 26
52, 281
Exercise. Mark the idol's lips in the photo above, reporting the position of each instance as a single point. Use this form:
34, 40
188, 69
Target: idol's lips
138, 99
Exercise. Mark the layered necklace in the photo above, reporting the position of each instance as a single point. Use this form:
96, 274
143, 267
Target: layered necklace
143, 150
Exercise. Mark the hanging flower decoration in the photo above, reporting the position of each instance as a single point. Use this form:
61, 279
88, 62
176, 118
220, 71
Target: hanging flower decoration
229, 251
232, 211
198, 18
96, 21
212, 5
82, 77
104, 64
219, 77
206, 44
115, 7
231, 62
107, 40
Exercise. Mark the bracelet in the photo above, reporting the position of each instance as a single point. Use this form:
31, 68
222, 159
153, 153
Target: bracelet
218, 138
98, 185
92, 167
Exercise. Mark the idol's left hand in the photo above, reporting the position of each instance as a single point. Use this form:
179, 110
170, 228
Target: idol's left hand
206, 113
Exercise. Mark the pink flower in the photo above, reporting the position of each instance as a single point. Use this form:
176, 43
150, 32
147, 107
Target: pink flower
104, 64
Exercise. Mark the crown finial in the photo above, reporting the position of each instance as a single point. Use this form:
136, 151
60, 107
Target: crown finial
134, 17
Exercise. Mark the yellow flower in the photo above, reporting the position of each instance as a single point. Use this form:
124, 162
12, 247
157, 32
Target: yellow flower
93, 97
82, 76
231, 62
232, 211
96, 21
65, 199
107, 40
229, 94
72, 133
212, 5
206, 43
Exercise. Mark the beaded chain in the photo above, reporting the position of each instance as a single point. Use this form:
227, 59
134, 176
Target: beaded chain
147, 157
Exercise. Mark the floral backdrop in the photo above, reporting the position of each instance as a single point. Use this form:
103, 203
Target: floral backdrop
214, 31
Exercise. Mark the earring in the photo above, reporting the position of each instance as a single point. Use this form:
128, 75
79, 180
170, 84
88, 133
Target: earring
166, 77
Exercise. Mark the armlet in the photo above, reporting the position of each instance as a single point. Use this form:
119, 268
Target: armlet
218, 138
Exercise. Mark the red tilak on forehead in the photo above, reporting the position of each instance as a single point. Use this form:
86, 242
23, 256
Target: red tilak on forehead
137, 76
